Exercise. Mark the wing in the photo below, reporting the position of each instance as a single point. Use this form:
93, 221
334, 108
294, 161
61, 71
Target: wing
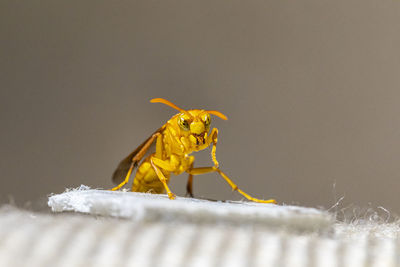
134, 158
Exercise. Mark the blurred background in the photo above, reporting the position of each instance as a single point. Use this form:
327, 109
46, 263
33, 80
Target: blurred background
310, 87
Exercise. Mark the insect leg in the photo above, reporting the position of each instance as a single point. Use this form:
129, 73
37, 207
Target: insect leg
126, 180
213, 138
189, 185
160, 175
126, 166
203, 170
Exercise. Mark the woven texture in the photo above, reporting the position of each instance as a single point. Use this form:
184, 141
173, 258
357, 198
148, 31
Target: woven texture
70, 239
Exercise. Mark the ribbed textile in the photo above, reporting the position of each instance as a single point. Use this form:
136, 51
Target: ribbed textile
74, 239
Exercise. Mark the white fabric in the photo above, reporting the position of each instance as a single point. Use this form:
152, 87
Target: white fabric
156, 231
155, 208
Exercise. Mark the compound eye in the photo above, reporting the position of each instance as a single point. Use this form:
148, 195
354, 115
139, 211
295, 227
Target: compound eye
207, 120
183, 123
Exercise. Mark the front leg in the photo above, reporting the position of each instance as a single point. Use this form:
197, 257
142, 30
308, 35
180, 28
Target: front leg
203, 170
213, 138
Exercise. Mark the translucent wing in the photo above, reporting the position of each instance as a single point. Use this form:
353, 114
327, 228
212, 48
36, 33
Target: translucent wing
134, 158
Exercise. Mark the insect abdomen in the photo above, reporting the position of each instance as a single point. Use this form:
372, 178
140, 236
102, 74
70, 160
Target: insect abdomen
146, 180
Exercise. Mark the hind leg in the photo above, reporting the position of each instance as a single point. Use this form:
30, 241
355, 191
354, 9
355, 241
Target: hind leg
126, 180
166, 166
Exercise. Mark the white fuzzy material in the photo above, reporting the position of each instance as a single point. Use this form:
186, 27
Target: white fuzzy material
154, 208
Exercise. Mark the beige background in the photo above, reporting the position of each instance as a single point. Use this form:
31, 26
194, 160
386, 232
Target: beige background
311, 89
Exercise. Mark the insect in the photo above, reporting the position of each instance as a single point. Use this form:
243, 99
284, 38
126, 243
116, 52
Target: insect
186, 132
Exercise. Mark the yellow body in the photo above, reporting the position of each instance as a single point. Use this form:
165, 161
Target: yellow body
186, 132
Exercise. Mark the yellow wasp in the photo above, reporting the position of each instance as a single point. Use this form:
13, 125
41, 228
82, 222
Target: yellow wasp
184, 133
